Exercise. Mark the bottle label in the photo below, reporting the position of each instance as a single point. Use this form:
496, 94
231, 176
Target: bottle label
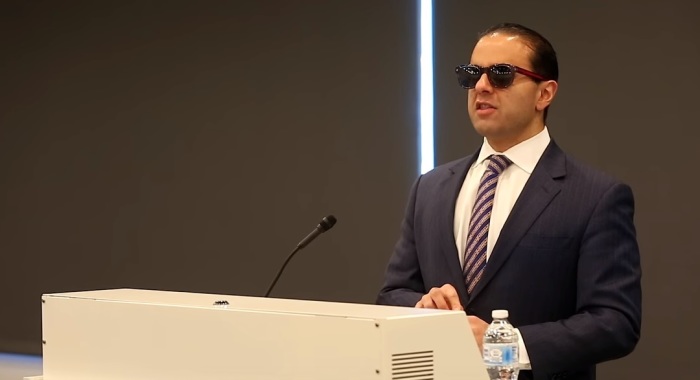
500, 354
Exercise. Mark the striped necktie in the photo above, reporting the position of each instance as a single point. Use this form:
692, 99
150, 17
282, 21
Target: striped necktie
477, 238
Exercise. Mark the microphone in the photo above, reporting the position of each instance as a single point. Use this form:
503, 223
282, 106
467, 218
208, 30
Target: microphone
324, 225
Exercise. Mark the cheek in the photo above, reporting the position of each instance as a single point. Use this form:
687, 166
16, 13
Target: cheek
470, 101
523, 103
531, 97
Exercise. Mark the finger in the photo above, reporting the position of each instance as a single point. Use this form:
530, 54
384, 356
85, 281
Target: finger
426, 303
478, 327
476, 321
452, 297
439, 299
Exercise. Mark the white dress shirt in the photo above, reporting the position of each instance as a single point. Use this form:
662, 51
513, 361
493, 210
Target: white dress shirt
511, 182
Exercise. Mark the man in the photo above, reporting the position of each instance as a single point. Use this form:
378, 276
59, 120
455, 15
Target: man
520, 225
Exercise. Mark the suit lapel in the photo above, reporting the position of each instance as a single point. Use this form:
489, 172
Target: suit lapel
448, 192
538, 192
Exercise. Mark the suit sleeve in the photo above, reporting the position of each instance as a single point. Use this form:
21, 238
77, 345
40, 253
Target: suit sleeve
607, 322
403, 284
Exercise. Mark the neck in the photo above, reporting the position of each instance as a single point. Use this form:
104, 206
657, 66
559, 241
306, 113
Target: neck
502, 143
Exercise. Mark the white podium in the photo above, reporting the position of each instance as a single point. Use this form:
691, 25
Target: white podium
129, 334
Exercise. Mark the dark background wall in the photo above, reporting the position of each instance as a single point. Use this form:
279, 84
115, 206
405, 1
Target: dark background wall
190, 145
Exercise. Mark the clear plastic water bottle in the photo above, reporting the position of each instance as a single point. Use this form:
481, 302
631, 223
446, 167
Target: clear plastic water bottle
501, 348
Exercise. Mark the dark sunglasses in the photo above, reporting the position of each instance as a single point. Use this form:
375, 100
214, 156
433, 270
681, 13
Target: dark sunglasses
501, 75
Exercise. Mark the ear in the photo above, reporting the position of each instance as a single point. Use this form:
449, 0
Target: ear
548, 90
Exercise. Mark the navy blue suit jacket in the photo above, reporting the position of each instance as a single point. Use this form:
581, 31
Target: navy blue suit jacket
566, 264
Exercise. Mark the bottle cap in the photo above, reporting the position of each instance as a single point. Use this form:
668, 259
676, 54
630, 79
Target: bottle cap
499, 314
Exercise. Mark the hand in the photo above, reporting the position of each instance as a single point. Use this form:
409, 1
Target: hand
444, 298
478, 329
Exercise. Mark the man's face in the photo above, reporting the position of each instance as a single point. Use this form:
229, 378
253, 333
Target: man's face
505, 116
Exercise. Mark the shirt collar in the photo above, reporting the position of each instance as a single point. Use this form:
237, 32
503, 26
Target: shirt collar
525, 154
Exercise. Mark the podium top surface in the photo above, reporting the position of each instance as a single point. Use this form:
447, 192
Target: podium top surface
252, 304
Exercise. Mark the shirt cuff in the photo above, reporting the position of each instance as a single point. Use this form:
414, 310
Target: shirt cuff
523, 358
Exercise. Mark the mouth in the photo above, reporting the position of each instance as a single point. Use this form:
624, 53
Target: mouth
484, 108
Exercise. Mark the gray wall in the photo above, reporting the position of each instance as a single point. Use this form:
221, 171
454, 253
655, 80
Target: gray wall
190, 145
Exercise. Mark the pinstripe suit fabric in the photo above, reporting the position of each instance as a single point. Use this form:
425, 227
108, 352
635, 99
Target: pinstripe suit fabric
566, 264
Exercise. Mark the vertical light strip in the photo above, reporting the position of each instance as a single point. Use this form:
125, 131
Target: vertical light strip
427, 150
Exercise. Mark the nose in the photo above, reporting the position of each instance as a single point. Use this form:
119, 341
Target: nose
483, 84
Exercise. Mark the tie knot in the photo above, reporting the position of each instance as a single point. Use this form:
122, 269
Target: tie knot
498, 163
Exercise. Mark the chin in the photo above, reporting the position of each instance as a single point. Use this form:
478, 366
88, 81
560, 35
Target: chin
484, 128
